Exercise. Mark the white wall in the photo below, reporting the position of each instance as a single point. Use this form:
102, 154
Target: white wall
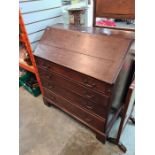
37, 15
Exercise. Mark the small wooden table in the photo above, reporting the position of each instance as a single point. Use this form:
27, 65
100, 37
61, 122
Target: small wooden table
126, 116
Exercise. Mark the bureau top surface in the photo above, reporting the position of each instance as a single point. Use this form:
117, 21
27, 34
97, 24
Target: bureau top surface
96, 52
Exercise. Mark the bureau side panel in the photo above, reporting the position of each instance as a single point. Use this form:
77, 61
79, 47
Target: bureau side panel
121, 86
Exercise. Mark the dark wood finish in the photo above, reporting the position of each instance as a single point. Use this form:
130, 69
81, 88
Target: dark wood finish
102, 65
77, 88
99, 31
70, 74
88, 118
117, 9
86, 101
81, 70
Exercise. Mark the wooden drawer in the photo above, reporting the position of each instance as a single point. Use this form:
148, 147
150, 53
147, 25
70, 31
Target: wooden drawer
85, 80
96, 108
72, 86
77, 112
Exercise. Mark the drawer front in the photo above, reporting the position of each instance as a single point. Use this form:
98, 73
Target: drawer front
72, 86
85, 80
79, 113
96, 108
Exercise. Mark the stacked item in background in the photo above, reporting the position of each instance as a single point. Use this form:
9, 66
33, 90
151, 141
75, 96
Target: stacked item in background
119, 23
23, 54
29, 82
26, 79
106, 22
77, 12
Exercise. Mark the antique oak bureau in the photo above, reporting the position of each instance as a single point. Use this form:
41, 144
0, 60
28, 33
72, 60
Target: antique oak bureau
84, 72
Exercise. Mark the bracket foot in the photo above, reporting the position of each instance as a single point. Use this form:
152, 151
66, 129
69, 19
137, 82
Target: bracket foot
47, 103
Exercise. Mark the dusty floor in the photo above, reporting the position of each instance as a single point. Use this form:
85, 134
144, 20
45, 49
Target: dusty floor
48, 131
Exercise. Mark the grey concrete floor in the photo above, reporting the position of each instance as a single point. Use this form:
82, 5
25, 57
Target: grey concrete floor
49, 131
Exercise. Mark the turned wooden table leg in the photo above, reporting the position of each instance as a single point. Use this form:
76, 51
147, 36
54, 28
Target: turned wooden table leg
132, 118
116, 140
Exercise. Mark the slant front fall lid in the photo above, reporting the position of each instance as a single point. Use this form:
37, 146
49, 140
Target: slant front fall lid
96, 52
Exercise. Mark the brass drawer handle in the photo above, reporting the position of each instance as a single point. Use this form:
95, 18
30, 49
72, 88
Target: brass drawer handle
90, 96
47, 67
88, 120
89, 107
50, 86
109, 90
48, 77
86, 82
90, 85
